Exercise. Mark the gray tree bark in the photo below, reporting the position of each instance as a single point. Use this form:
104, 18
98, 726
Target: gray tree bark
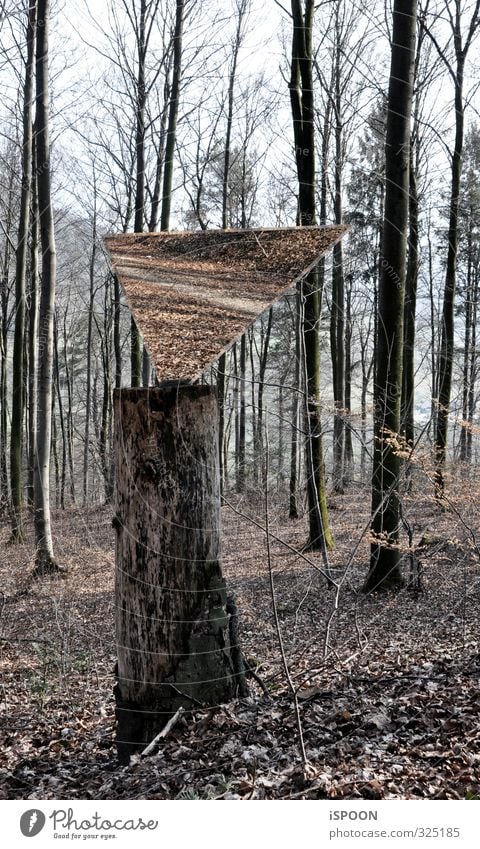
16, 433
45, 561
303, 112
172, 116
385, 569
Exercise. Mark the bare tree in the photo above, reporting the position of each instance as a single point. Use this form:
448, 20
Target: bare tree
303, 114
16, 433
386, 518
45, 561
463, 38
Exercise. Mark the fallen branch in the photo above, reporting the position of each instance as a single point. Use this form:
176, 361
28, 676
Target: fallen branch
163, 733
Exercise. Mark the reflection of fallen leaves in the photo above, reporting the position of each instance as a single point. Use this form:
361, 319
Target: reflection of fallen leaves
210, 284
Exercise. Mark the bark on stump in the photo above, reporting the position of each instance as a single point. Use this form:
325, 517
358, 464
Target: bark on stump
171, 619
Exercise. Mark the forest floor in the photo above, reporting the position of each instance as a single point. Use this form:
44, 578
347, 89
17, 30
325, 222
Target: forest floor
387, 685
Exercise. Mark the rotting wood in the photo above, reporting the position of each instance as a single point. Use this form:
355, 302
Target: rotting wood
171, 620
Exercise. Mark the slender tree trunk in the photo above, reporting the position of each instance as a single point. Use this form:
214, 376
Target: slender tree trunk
61, 418
88, 394
433, 346
16, 433
293, 511
348, 458
337, 330
409, 312
466, 351
473, 365
258, 442
155, 207
242, 416
136, 339
222, 365
225, 177
45, 561
69, 366
385, 569
4, 490
33, 339
236, 408
241, 11
445, 359
172, 116
105, 427
302, 104
253, 401
117, 345
413, 267
141, 99
447, 338
54, 451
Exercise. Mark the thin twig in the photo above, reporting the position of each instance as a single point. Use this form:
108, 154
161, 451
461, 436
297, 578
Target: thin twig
287, 545
274, 603
163, 733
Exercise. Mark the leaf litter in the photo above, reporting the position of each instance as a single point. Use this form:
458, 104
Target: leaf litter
390, 710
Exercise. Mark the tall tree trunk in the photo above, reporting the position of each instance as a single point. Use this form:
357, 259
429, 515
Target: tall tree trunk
117, 345
45, 561
409, 312
242, 6
472, 402
105, 426
349, 458
302, 104
222, 365
413, 266
172, 116
293, 511
69, 366
385, 569
91, 298
4, 490
242, 416
160, 163
447, 338
16, 433
136, 339
258, 440
466, 351
140, 102
236, 409
226, 168
61, 417
433, 334
337, 330
33, 338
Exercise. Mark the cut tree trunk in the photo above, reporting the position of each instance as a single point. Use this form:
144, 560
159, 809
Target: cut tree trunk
172, 622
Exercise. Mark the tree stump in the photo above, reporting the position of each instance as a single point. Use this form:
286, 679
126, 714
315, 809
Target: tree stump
171, 619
